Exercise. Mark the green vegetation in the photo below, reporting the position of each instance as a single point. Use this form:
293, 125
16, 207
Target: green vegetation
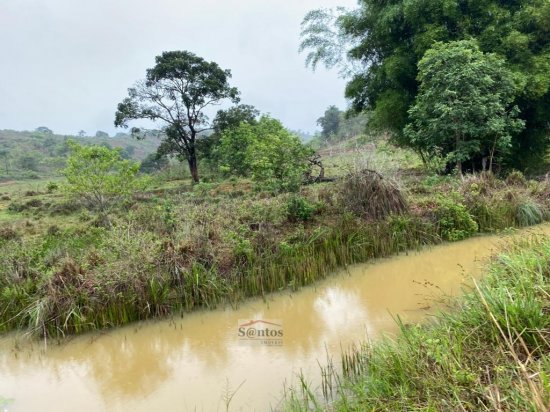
35, 155
181, 246
447, 137
338, 126
176, 91
490, 353
463, 106
262, 151
454, 220
99, 176
379, 46
99, 249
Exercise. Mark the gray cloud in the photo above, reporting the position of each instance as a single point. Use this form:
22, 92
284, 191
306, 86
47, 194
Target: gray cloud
67, 63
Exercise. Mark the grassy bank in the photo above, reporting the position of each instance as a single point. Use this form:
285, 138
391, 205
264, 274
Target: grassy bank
178, 247
491, 353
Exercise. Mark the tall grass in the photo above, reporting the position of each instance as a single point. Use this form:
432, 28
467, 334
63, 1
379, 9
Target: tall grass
193, 250
491, 353
74, 299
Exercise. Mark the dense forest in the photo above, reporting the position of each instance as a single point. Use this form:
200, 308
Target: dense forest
462, 81
42, 153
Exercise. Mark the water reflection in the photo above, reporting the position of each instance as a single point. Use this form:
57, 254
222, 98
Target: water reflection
189, 363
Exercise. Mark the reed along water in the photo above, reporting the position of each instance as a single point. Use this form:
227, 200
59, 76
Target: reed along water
209, 360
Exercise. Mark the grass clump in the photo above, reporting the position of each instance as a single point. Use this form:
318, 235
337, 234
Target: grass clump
528, 213
491, 353
369, 195
497, 204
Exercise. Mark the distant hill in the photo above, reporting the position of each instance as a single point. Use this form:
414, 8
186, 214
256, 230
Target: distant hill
40, 154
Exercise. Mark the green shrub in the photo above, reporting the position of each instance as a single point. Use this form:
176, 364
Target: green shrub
100, 176
52, 187
15, 207
299, 209
202, 189
455, 223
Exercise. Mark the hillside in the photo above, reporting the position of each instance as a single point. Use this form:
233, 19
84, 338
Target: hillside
30, 155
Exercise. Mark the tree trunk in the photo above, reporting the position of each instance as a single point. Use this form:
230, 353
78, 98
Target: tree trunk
193, 167
458, 162
492, 156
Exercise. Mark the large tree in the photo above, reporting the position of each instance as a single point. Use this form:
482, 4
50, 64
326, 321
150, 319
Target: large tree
464, 106
5, 155
224, 121
330, 122
176, 91
389, 38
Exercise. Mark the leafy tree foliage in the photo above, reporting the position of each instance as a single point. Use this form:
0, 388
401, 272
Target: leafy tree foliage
43, 130
99, 176
234, 116
4, 154
463, 107
225, 120
326, 42
153, 163
266, 152
330, 122
28, 162
176, 91
101, 134
389, 38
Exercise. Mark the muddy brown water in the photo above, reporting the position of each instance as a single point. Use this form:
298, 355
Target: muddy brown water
196, 362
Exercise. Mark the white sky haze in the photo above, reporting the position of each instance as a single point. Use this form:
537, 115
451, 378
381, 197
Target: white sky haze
66, 64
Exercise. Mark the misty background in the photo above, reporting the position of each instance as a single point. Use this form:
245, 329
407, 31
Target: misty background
66, 64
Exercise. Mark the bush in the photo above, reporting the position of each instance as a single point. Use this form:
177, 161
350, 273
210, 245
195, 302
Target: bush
492, 213
65, 208
99, 176
33, 203
15, 207
268, 153
368, 194
299, 209
52, 187
455, 223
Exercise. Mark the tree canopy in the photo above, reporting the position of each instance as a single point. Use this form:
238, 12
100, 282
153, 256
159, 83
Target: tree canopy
463, 108
266, 152
224, 121
176, 92
388, 39
99, 176
329, 122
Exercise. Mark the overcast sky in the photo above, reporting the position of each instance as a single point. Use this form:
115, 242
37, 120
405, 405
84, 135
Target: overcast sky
67, 63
